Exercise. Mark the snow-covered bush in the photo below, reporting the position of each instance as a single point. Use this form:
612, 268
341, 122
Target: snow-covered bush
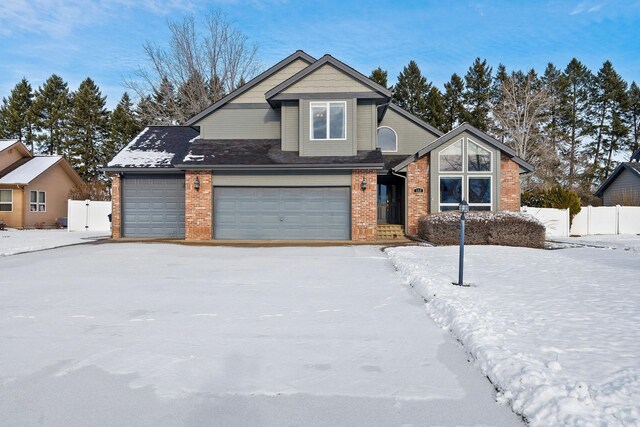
483, 228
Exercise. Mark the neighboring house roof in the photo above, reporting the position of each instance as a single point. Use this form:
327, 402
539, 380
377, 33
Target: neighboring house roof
155, 147
636, 155
299, 54
381, 91
6, 143
633, 167
30, 170
466, 127
267, 153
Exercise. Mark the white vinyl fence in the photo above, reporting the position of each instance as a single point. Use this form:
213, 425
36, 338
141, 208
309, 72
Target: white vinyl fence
589, 221
88, 215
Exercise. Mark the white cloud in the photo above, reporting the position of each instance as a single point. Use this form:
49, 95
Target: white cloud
586, 7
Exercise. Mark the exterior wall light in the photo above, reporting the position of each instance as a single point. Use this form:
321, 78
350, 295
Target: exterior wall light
462, 208
363, 184
196, 184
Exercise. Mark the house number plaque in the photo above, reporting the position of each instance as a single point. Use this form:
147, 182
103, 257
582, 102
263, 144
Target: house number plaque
418, 190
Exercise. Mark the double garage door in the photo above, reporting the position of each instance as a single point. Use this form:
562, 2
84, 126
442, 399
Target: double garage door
154, 206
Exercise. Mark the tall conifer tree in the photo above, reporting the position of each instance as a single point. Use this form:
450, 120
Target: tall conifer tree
411, 90
51, 111
633, 118
17, 114
379, 76
477, 94
453, 100
123, 127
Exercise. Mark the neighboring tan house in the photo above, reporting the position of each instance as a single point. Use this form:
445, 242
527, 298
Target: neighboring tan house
33, 189
310, 149
622, 187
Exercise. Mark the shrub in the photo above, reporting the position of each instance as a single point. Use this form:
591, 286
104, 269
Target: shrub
483, 228
554, 197
3, 226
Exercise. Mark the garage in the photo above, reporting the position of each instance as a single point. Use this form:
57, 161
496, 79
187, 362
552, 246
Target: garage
282, 213
153, 206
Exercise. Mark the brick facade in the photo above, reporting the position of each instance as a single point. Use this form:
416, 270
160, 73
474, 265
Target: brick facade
509, 184
198, 207
417, 203
115, 207
364, 209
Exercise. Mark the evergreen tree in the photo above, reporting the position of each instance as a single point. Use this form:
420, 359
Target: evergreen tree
17, 112
633, 118
88, 127
379, 76
435, 113
51, 110
453, 101
123, 127
411, 91
477, 94
553, 83
4, 115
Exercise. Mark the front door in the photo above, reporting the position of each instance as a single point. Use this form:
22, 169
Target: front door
389, 204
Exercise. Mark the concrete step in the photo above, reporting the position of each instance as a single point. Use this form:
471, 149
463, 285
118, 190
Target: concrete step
389, 231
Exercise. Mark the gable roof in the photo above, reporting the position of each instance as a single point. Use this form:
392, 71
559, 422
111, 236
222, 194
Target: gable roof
407, 115
466, 127
328, 59
633, 167
299, 54
155, 147
636, 155
5, 144
30, 170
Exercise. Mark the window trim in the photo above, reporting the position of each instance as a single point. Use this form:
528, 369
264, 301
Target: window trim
8, 203
37, 203
466, 165
462, 190
462, 170
327, 104
394, 132
491, 195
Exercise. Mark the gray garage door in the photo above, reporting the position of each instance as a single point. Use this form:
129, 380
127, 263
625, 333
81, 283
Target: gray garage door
153, 206
280, 213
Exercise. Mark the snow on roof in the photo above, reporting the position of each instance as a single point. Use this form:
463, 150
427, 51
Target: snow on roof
30, 170
6, 143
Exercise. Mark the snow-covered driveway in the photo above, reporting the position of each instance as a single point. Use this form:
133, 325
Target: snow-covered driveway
151, 334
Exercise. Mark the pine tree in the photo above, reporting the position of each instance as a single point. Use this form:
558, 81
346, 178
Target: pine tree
51, 111
379, 76
435, 113
17, 112
477, 94
123, 127
553, 83
4, 116
87, 130
633, 118
453, 100
411, 91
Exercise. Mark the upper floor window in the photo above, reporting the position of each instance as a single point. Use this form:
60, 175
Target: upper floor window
451, 158
328, 120
6, 200
478, 158
38, 202
387, 139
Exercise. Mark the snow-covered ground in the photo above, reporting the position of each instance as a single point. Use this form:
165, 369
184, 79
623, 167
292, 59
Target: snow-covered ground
627, 242
154, 334
13, 241
557, 331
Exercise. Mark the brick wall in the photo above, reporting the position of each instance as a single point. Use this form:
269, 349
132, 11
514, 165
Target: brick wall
115, 206
198, 206
509, 184
363, 205
417, 203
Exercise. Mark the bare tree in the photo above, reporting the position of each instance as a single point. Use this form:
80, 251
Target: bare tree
199, 66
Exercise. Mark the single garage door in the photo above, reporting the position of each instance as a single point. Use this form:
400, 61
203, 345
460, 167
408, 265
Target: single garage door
153, 206
282, 213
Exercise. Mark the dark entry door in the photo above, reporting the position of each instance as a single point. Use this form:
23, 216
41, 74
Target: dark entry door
389, 204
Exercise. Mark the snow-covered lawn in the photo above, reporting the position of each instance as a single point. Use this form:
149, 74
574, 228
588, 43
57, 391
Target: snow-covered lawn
558, 331
13, 241
155, 334
627, 242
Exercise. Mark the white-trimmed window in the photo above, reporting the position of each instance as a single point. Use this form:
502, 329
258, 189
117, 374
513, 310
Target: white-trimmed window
478, 158
479, 193
37, 201
450, 192
6, 200
387, 139
450, 159
328, 120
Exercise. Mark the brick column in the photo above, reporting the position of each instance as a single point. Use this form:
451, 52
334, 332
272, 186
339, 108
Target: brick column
363, 205
509, 184
417, 203
115, 206
198, 207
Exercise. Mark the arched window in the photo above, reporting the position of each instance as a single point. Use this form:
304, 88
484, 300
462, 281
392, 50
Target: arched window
387, 139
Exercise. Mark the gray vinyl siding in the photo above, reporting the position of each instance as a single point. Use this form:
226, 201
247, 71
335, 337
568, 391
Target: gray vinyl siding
626, 184
290, 130
411, 137
282, 179
434, 174
232, 123
256, 93
347, 147
327, 79
367, 125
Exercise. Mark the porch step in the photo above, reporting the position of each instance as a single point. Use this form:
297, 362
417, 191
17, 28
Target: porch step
390, 231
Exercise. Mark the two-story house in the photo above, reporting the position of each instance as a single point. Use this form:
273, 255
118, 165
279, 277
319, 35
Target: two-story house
309, 149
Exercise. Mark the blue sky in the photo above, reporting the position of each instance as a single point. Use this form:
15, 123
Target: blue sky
103, 39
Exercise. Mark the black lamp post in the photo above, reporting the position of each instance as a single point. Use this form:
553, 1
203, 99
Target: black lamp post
463, 208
